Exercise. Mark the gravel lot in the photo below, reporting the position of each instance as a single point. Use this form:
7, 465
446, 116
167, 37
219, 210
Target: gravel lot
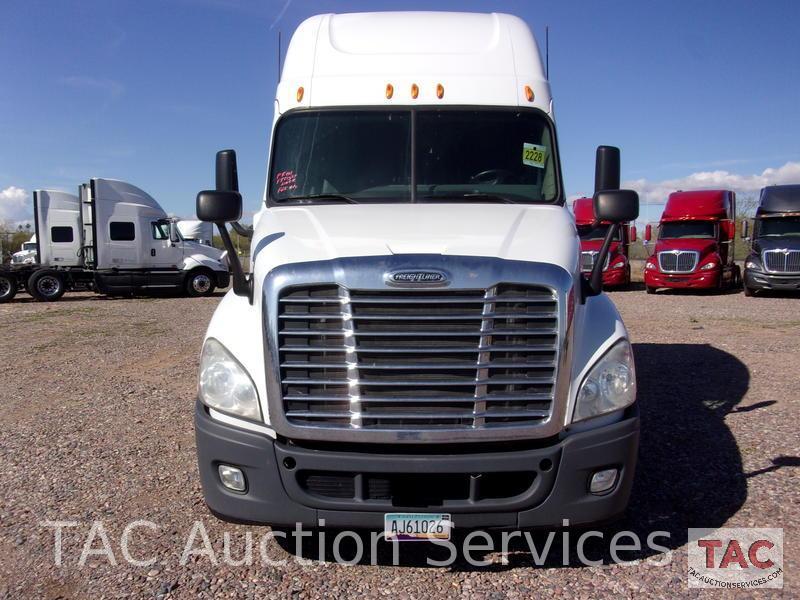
97, 396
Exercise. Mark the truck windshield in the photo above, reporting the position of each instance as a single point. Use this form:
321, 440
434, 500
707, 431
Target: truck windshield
587, 232
29, 246
779, 227
687, 229
452, 155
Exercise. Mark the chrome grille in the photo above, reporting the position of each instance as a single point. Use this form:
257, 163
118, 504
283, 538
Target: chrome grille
589, 257
684, 261
781, 261
417, 359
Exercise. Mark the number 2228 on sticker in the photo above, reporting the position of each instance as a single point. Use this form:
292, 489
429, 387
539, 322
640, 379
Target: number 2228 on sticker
533, 155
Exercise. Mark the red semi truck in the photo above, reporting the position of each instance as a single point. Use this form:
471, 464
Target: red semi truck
695, 243
617, 270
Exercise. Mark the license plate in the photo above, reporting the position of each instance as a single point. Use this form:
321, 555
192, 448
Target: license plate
410, 527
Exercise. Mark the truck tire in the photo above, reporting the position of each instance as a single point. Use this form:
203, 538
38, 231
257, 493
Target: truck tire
46, 286
200, 282
8, 288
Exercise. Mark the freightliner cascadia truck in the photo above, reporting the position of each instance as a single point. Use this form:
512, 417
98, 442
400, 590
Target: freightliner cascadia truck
415, 346
617, 268
774, 260
694, 249
112, 238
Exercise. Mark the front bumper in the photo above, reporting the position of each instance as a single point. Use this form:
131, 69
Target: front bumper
616, 277
759, 280
700, 280
278, 474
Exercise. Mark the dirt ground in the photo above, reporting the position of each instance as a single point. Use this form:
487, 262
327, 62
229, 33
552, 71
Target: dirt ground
97, 397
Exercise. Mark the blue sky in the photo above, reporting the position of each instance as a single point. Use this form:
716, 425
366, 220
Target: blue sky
695, 93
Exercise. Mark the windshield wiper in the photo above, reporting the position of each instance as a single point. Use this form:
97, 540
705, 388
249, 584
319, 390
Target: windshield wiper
340, 197
470, 196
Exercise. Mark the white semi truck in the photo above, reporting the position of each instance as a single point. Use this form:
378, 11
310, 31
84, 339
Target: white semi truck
415, 346
112, 238
26, 254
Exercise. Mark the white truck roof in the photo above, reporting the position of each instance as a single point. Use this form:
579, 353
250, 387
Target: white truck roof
350, 59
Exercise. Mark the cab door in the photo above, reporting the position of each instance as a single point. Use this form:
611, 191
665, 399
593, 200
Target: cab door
166, 251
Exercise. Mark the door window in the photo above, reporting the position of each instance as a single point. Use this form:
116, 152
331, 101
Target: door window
160, 230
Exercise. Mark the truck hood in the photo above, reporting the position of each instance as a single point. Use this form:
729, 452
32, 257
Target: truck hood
192, 247
776, 243
703, 246
514, 232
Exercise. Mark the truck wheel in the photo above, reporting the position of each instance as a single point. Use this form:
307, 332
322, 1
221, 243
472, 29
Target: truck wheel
8, 288
650, 290
46, 286
200, 283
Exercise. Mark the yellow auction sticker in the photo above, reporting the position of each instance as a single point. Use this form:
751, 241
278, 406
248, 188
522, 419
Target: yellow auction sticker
533, 155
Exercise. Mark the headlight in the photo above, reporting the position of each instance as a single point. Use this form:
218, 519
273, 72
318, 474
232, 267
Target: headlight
610, 384
752, 264
618, 265
708, 266
225, 385
650, 265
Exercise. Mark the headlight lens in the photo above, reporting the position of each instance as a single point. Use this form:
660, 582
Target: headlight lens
225, 385
610, 384
618, 265
708, 266
650, 265
751, 264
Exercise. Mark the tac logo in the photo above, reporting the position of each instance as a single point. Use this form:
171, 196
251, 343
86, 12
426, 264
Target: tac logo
736, 558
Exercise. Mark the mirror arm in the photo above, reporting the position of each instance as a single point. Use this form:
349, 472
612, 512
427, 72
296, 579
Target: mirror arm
242, 285
594, 284
246, 232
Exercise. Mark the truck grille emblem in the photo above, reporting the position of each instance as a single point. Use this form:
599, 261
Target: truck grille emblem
416, 278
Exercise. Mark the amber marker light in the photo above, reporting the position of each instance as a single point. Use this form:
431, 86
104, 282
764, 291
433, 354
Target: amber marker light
300, 92
529, 93
389, 91
414, 90
439, 91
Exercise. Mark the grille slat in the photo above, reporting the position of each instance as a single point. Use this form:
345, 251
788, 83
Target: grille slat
682, 261
781, 261
589, 258
414, 360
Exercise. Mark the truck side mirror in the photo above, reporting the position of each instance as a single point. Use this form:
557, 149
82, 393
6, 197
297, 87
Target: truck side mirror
632, 234
227, 176
616, 206
219, 207
745, 229
648, 233
606, 168
224, 205
173, 232
729, 229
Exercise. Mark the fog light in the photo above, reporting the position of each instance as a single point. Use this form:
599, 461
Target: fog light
232, 478
603, 481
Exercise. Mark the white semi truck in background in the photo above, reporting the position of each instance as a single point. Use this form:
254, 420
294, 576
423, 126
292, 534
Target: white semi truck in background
26, 254
112, 238
415, 346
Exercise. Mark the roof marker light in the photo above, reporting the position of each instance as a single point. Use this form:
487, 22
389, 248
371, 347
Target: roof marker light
300, 92
439, 91
389, 90
414, 90
529, 93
